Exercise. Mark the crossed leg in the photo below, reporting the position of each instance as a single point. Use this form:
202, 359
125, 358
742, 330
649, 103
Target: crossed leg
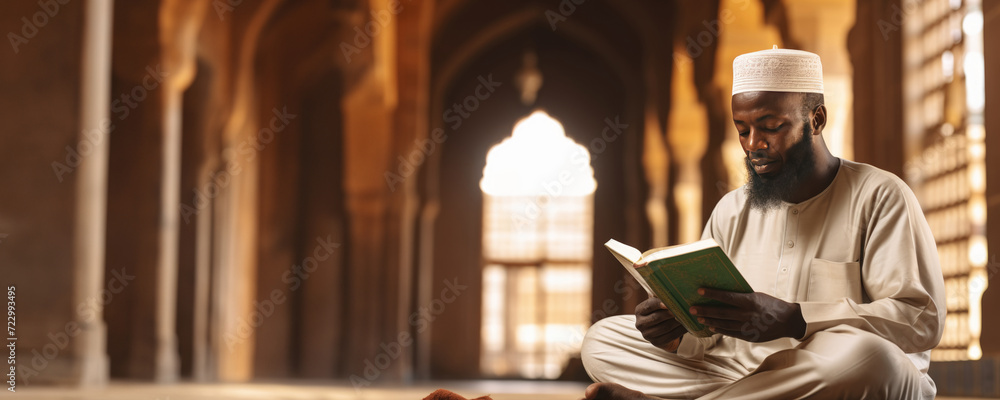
841, 362
615, 352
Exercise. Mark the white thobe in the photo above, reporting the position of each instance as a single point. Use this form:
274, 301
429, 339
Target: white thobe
860, 260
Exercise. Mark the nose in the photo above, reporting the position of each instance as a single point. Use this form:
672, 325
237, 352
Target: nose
756, 141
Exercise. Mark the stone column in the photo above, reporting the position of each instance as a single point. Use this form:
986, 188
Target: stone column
877, 58
53, 161
236, 211
91, 203
179, 26
990, 337
154, 63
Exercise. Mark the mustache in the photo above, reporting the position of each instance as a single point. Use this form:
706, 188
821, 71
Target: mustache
755, 154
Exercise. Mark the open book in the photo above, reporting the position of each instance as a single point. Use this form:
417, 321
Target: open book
674, 274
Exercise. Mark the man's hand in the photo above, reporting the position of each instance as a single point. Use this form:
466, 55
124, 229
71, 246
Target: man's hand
658, 325
754, 317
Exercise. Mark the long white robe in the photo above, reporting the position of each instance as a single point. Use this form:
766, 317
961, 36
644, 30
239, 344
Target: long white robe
860, 253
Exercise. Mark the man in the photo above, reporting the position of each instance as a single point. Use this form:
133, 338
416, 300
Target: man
849, 295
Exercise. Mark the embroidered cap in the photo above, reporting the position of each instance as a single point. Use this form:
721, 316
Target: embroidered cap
778, 70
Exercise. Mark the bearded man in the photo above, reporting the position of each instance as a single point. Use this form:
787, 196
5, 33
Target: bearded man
849, 293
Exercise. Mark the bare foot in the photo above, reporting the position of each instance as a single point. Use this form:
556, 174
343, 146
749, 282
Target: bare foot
613, 391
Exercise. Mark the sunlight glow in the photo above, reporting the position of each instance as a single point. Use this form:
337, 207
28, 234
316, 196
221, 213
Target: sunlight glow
538, 159
538, 211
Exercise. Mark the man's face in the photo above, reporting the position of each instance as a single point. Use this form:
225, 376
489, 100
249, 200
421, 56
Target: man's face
776, 136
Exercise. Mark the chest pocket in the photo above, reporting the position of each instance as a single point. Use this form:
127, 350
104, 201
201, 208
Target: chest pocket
832, 281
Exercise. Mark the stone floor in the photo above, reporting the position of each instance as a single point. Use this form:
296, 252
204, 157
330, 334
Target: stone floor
499, 390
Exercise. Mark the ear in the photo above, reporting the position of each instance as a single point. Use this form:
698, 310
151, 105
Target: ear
818, 121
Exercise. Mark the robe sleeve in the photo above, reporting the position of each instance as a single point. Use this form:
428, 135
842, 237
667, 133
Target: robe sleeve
900, 274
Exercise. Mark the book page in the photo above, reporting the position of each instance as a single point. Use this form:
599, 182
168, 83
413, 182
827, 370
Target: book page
622, 250
681, 249
628, 256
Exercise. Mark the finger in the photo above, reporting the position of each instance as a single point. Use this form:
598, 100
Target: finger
657, 328
722, 323
649, 306
725, 296
591, 392
666, 337
720, 313
655, 320
747, 331
750, 336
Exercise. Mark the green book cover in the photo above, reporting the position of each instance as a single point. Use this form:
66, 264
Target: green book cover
674, 274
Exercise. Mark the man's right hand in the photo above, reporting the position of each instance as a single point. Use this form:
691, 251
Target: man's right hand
658, 325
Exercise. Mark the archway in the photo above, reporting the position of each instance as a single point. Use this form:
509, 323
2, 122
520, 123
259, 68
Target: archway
604, 116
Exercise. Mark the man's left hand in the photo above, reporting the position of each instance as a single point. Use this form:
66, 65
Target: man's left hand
754, 317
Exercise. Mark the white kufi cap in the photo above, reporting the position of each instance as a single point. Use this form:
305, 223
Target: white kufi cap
778, 70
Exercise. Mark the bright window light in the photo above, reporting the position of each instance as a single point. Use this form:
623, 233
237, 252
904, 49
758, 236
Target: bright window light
537, 247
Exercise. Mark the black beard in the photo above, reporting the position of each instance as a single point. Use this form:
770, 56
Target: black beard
767, 193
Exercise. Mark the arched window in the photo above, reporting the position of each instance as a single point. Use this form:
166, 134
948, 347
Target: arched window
538, 216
